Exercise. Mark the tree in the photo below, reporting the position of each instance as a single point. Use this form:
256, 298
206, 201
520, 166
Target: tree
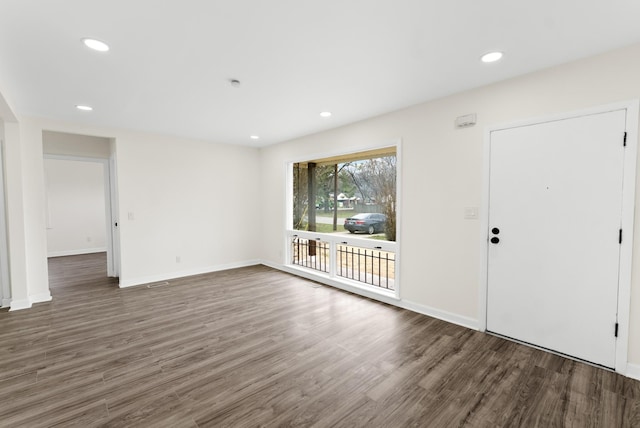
353, 170
300, 196
377, 177
372, 179
324, 189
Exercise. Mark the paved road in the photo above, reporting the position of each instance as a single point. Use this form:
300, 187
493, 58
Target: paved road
328, 220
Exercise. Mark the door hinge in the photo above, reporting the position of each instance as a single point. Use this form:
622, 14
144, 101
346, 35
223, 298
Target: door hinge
624, 140
620, 237
615, 333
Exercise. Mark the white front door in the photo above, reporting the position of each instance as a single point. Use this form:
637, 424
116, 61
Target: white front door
555, 203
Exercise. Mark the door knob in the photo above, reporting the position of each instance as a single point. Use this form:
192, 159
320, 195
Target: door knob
495, 240
495, 230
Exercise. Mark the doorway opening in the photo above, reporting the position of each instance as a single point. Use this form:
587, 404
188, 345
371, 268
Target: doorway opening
81, 197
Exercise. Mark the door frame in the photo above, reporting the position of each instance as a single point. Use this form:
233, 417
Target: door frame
5, 284
632, 108
113, 262
110, 195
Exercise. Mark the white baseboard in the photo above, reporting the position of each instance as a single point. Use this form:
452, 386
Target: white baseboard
5, 303
76, 252
440, 314
633, 371
132, 282
17, 305
383, 297
40, 298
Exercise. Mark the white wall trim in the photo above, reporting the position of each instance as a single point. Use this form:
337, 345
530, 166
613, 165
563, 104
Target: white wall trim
440, 314
5, 277
380, 296
633, 371
395, 143
113, 261
5, 303
124, 283
40, 298
632, 108
110, 193
17, 305
399, 199
75, 158
77, 252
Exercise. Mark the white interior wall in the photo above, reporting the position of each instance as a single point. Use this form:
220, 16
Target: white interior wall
192, 201
15, 217
75, 207
34, 212
179, 199
68, 144
220, 206
442, 174
25, 215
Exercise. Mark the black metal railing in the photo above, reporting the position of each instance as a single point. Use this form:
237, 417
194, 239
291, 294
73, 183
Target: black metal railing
374, 267
311, 253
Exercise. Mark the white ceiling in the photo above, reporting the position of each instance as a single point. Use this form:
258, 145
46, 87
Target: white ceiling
171, 61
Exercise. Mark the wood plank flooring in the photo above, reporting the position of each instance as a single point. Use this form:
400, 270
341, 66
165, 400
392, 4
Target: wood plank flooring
258, 347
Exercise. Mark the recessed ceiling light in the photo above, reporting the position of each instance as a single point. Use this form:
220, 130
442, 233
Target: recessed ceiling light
96, 45
491, 57
84, 108
254, 137
325, 114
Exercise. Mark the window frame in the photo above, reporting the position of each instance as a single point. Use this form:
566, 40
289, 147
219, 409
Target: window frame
331, 278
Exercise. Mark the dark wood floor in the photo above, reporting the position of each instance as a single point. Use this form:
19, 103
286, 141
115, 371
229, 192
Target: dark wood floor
257, 347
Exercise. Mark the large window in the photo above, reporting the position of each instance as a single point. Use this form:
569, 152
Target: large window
354, 194
343, 222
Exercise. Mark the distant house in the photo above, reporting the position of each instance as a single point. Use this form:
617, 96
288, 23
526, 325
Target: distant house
345, 201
